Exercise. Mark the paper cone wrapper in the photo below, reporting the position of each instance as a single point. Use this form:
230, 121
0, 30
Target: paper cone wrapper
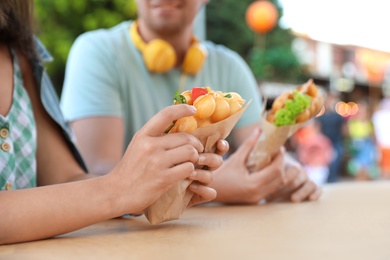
272, 138
171, 204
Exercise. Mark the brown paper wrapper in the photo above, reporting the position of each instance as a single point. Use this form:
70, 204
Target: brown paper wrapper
271, 139
171, 204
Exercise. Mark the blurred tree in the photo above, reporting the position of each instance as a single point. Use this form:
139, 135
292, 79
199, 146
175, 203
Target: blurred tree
270, 56
225, 24
59, 22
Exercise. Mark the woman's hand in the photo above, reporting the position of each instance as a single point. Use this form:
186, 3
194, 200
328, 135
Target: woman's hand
153, 162
208, 162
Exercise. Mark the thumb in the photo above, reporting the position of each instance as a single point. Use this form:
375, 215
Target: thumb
161, 121
247, 146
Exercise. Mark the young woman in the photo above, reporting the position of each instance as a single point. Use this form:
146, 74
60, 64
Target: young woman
37, 149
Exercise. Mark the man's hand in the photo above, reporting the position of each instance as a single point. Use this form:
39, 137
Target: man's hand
282, 179
235, 184
298, 187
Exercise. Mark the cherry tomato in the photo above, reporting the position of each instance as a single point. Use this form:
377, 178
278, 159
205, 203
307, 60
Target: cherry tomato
197, 92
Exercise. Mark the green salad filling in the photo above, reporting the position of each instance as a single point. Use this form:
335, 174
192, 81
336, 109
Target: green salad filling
293, 107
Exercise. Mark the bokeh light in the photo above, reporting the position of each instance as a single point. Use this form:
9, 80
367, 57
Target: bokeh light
346, 109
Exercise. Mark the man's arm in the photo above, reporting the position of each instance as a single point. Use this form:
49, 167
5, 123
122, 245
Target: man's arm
239, 135
91, 101
100, 141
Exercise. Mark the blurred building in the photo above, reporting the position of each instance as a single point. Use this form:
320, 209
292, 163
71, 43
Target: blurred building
355, 72
352, 71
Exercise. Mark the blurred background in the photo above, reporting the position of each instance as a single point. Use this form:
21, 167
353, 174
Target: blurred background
342, 45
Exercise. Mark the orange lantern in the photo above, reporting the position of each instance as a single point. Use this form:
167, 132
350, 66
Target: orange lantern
261, 16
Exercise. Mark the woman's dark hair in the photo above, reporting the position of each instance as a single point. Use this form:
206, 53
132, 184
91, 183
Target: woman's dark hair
17, 25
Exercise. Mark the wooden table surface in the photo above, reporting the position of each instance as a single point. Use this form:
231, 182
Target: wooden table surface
350, 221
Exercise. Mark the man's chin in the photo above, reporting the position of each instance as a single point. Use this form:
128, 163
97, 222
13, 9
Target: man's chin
167, 28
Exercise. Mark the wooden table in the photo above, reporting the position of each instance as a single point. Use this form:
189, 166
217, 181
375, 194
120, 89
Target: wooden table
350, 221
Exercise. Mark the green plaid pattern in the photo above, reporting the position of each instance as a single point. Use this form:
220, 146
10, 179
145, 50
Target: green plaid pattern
18, 165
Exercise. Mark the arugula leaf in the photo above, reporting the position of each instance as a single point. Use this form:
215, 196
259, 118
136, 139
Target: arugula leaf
180, 99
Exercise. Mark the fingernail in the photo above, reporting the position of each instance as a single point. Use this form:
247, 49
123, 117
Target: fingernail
193, 108
225, 143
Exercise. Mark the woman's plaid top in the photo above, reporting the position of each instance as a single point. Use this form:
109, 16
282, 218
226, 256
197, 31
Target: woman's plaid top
18, 139
17, 167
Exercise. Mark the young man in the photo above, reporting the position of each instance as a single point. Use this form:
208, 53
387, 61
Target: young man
36, 149
112, 74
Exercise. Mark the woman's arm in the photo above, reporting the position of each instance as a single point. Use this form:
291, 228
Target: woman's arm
151, 165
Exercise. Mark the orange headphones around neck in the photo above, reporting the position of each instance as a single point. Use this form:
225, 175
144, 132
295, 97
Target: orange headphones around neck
159, 56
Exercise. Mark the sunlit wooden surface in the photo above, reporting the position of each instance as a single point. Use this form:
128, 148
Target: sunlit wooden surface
350, 221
